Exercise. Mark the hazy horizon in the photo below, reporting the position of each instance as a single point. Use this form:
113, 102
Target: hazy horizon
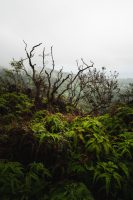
97, 30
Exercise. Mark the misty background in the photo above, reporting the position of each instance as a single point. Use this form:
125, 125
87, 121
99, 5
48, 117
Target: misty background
97, 30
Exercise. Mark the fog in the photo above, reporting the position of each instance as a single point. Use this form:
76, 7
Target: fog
97, 30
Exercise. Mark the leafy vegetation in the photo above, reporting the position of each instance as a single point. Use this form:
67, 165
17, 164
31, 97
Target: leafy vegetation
55, 148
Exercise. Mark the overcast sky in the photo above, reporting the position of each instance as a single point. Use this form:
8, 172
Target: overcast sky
97, 30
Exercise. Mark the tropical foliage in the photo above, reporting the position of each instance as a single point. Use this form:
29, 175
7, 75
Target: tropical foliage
52, 147
55, 156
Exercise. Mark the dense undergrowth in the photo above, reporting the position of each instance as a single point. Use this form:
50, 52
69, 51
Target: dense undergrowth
51, 156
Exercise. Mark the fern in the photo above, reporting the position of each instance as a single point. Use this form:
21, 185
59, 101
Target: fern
109, 174
88, 125
55, 123
50, 138
74, 138
125, 145
36, 180
71, 190
76, 164
11, 178
99, 144
38, 127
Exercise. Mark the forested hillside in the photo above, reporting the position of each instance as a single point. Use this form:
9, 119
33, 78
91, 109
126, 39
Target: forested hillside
64, 136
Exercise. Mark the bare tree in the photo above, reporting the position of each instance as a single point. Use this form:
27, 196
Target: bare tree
35, 75
62, 85
100, 89
90, 86
54, 84
76, 84
44, 80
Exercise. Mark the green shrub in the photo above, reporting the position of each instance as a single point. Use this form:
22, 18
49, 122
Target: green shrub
36, 180
18, 104
109, 176
11, 179
18, 183
126, 115
121, 121
113, 125
38, 127
124, 145
3, 106
71, 190
55, 123
40, 115
99, 145
87, 125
